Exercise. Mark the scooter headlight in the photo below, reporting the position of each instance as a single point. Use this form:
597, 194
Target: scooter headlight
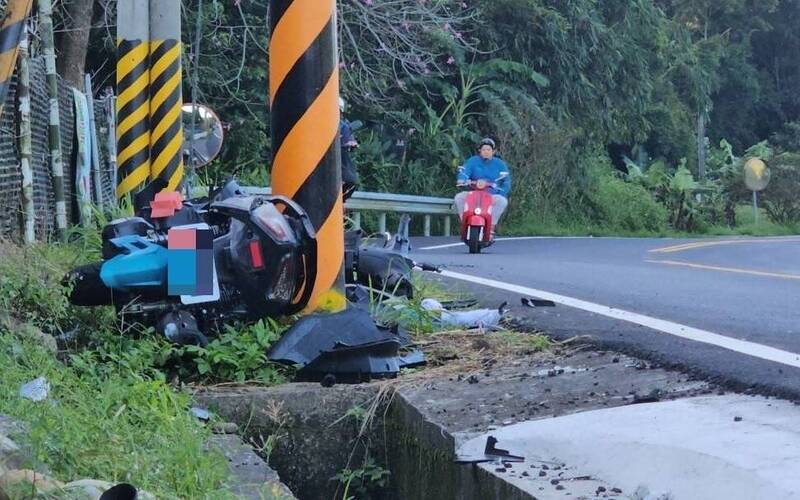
478, 211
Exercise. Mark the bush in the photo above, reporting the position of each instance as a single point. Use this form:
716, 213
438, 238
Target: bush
780, 197
624, 206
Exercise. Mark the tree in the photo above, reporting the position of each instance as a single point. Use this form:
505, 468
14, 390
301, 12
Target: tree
73, 41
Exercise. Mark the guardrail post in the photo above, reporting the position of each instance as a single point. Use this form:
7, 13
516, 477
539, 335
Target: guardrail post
356, 220
426, 231
446, 225
382, 222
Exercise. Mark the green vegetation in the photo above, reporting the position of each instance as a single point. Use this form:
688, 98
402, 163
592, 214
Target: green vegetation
577, 93
113, 411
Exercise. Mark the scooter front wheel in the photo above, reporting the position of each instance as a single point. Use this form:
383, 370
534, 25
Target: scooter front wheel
474, 239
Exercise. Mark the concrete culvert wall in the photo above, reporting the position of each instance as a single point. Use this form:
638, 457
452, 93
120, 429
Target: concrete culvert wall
312, 433
316, 436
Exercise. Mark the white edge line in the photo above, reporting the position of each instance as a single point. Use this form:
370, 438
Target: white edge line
687, 332
519, 238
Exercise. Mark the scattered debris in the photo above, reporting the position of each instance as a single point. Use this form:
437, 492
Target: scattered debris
491, 453
478, 318
413, 359
200, 413
737, 419
348, 345
537, 302
121, 492
35, 390
653, 397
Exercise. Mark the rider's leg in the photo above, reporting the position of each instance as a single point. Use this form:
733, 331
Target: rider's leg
499, 205
461, 199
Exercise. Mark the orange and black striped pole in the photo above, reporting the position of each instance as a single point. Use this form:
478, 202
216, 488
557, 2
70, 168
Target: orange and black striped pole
133, 96
11, 32
304, 110
166, 99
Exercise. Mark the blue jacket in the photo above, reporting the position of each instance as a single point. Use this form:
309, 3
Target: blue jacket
476, 168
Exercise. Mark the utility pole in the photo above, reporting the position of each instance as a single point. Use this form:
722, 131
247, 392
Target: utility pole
304, 94
133, 97
166, 99
16, 15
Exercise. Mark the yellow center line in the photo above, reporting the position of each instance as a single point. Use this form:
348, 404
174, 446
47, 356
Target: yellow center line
736, 270
705, 244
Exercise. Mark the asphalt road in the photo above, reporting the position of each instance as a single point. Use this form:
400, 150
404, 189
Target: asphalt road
737, 298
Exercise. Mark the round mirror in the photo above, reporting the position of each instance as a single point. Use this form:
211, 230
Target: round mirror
203, 134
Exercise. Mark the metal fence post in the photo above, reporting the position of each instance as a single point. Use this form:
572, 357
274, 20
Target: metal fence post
357, 220
25, 140
54, 132
98, 186
446, 231
382, 222
426, 229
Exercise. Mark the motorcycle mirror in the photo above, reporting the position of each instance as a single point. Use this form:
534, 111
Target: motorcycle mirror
358, 124
203, 134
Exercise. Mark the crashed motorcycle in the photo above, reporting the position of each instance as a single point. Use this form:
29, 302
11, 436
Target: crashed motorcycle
263, 263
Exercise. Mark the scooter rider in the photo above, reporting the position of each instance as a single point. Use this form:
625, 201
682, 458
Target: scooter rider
486, 166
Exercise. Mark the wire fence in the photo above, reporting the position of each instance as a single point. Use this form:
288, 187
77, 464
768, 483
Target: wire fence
11, 209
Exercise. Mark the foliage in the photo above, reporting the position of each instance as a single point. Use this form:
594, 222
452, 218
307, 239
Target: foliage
780, 198
240, 355
114, 383
148, 436
554, 81
627, 206
363, 483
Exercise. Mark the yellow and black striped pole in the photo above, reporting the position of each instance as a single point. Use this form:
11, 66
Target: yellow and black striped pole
166, 99
304, 94
11, 33
133, 98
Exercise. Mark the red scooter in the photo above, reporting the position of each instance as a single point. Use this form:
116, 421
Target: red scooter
476, 221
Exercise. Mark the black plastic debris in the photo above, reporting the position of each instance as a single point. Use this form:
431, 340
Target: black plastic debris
348, 345
491, 453
120, 492
413, 359
537, 302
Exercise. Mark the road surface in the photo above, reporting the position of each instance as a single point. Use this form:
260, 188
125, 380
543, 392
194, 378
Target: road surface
726, 309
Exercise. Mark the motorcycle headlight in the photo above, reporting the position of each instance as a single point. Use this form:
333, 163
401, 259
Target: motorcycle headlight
478, 211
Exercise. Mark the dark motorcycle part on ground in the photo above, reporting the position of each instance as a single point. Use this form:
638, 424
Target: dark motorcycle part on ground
344, 347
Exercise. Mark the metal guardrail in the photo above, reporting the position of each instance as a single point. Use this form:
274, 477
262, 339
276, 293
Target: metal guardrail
385, 203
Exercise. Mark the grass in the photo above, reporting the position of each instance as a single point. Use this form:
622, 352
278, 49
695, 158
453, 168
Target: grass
115, 426
111, 413
746, 226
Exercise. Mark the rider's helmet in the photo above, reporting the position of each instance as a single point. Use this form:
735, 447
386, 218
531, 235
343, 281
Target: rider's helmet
487, 141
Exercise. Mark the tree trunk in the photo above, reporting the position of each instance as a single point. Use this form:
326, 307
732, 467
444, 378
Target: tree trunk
701, 145
74, 41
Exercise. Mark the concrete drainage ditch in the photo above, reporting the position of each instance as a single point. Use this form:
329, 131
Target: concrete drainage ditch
412, 427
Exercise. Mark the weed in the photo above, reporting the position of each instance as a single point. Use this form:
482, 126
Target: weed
364, 482
240, 355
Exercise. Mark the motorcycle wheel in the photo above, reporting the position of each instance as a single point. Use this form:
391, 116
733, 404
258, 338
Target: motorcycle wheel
474, 239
